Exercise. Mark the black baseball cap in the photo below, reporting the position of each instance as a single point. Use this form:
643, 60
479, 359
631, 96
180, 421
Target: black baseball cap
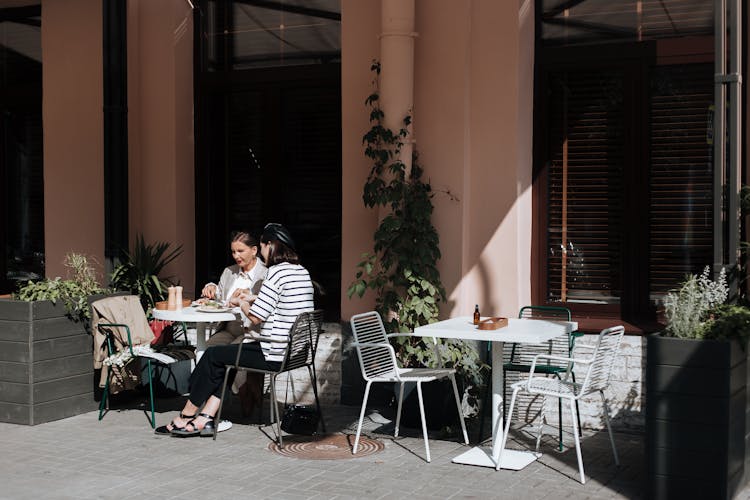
275, 231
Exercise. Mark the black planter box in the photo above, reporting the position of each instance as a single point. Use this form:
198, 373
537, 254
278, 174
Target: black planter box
45, 363
696, 404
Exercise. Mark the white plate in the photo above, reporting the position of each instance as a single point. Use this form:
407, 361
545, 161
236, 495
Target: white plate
208, 309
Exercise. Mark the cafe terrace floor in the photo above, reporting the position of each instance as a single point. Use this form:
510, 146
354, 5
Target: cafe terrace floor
120, 457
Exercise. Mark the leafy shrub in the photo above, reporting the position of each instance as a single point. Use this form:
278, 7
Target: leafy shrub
73, 292
402, 269
139, 272
687, 308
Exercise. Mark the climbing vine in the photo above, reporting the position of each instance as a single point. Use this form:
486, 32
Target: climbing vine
402, 269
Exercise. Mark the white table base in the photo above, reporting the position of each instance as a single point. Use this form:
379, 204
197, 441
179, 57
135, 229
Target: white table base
482, 456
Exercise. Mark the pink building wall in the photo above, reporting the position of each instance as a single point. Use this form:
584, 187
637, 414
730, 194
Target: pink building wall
160, 123
472, 126
160, 120
73, 136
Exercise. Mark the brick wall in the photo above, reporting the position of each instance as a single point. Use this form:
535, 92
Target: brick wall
328, 370
625, 395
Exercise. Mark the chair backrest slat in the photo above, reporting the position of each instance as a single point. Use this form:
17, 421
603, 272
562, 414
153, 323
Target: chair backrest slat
600, 370
559, 346
303, 340
374, 360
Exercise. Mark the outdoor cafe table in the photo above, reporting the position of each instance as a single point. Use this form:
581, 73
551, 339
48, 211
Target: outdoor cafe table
201, 321
532, 331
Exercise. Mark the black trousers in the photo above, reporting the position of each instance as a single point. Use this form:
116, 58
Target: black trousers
208, 376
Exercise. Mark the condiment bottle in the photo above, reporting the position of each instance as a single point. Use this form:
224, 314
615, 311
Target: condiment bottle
476, 314
172, 299
178, 297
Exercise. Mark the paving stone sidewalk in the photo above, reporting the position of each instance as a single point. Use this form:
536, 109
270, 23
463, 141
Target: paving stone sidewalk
120, 458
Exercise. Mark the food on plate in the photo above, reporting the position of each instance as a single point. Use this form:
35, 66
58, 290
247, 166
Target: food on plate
210, 304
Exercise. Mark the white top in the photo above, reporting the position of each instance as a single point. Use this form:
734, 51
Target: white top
233, 278
286, 292
518, 330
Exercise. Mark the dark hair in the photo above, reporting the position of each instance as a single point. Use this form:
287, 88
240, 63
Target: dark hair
244, 237
278, 252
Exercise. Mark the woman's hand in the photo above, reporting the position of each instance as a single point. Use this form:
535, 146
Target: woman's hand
209, 291
240, 295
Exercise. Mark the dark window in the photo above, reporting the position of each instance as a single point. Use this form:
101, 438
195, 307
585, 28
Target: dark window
268, 130
623, 160
21, 174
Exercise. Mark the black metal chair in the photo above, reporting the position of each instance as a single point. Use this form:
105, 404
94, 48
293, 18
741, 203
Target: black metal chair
301, 348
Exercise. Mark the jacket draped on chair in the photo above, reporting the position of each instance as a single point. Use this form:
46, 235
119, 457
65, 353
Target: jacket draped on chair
119, 309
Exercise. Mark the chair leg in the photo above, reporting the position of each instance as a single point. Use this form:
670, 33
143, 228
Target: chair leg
361, 417
314, 382
424, 421
578, 412
560, 424
221, 402
542, 418
609, 428
505, 391
460, 410
398, 411
276, 416
507, 428
577, 440
151, 393
104, 403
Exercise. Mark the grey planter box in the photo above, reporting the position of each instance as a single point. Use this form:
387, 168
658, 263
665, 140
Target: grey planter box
46, 370
696, 404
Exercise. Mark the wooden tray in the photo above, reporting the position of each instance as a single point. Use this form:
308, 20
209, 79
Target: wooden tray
493, 323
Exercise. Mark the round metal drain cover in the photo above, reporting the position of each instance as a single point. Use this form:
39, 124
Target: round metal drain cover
328, 447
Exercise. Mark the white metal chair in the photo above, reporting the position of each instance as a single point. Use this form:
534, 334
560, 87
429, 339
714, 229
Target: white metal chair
300, 352
377, 359
597, 379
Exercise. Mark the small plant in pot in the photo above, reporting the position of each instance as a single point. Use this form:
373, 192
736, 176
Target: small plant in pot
139, 272
696, 379
699, 310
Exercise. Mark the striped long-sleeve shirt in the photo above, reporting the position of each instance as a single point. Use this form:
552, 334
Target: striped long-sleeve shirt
286, 292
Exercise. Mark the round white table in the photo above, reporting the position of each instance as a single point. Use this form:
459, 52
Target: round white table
204, 322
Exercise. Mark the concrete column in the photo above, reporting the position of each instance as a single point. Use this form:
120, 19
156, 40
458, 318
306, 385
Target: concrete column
397, 68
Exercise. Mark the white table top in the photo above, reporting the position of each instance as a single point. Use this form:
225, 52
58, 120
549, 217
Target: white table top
193, 315
518, 330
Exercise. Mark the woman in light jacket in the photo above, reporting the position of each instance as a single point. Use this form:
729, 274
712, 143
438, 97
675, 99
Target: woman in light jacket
244, 277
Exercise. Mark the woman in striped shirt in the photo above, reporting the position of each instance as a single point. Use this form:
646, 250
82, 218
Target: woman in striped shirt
286, 292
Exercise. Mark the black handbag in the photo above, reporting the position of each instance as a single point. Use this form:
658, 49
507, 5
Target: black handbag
300, 419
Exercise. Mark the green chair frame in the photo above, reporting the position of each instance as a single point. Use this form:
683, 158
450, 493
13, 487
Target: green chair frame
107, 330
520, 356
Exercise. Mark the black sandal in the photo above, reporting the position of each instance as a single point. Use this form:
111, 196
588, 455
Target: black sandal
164, 430
208, 427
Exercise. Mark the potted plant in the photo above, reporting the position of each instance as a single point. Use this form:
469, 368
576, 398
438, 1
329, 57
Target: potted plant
402, 269
696, 403
45, 367
139, 272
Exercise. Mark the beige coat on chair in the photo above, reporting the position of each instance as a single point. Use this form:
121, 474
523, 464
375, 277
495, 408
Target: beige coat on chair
125, 309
